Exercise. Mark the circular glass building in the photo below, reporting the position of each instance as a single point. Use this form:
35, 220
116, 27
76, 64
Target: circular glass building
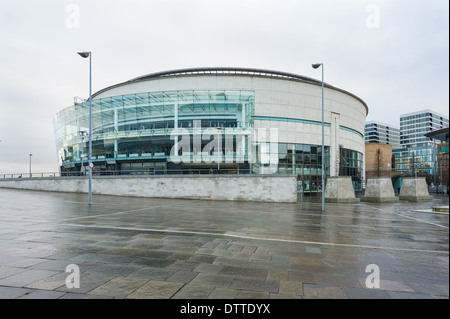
216, 120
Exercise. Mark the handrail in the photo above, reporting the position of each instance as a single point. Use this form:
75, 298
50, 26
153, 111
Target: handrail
28, 175
142, 172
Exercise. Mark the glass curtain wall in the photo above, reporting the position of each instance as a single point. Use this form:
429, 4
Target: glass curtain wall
138, 126
306, 161
415, 161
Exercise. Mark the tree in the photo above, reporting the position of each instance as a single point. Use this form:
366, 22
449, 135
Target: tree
378, 162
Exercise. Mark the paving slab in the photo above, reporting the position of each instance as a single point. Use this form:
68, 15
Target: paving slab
255, 285
216, 250
26, 277
244, 272
156, 290
291, 288
7, 292
153, 273
193, 291
183, 276
43, 294
363, 293
119, 287
321, 291
214, 280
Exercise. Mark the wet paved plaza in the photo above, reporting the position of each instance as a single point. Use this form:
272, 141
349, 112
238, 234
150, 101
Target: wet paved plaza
191, 249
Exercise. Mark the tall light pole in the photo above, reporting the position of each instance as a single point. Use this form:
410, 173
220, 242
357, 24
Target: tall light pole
30, 164
315, 66
82, 151
89, 55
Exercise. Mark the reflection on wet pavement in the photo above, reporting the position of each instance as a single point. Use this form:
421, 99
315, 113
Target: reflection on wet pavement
165, 248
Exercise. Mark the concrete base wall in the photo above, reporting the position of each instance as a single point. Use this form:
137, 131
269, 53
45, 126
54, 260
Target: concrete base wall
265, 188
339, 189
414, 189
379, 190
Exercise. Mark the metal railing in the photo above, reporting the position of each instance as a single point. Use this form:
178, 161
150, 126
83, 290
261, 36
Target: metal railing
28, 175
143, 172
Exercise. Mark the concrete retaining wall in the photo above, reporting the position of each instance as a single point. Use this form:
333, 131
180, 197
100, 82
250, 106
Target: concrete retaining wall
266, 188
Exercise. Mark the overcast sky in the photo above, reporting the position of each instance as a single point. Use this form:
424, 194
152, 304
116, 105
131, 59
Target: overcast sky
393, 54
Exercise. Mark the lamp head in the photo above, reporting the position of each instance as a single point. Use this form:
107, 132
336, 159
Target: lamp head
316, 65
84, 54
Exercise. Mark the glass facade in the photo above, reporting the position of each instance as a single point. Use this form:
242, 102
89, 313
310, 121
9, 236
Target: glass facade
305, 161
133, 131
413, 127
376, 132
141, 133
418, 153
415, 160
353, 166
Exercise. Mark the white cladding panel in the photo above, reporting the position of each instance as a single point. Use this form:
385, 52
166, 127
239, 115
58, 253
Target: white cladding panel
281, 101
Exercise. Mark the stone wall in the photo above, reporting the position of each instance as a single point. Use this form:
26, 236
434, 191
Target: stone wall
265, 188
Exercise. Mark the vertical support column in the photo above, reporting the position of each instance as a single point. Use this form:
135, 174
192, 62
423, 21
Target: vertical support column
175, 125
293, 159
90, 131
116, 129
175, 115
78, 135
197, 140
334, 143
241, 152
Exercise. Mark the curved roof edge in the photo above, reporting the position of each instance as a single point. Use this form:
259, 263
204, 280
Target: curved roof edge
225, 71
229, 71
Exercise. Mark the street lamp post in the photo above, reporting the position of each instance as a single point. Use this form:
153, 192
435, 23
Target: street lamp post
86, 55
315, 66
30, 164
82, 151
